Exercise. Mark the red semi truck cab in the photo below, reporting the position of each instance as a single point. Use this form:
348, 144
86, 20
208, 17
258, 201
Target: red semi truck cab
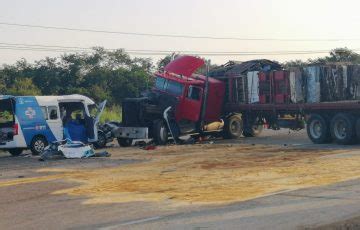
179, 80
195, 102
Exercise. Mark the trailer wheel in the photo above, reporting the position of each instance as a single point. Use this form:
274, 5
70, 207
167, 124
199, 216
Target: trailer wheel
124, 142
318, 129
15, 152
252, 129
343, 129
233, 127
38, 145
160, 132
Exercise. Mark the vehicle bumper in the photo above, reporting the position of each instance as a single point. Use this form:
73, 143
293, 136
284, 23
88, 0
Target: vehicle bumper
132, 132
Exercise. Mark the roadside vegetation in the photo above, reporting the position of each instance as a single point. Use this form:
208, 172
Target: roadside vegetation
111, 114
102, 74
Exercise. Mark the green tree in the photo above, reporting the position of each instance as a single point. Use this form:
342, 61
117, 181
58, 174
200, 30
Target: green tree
338, 55
294, 63
166, 60
23, 87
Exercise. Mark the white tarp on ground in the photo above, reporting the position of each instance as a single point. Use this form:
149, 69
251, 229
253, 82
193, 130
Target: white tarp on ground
312, 74
253, 87
296, 90
77, 150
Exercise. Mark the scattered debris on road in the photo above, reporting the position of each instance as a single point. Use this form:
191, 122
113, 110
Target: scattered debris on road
204, 174
70, 150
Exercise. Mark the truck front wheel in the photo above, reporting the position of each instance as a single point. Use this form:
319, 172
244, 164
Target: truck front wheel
233, 127
160, 132
318, 129
343, 129
101, 143
253, 128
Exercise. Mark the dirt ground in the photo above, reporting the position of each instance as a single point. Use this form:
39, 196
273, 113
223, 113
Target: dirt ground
210, 184
200, 174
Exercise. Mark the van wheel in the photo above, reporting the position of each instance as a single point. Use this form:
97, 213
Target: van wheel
160, 132
101, 142
343, 129
318, 129
15, 152
38, 145
233, 127
124, 142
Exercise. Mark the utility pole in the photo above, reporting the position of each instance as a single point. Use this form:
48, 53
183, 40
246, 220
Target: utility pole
206, 92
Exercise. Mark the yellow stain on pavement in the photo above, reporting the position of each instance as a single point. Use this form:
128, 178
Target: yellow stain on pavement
206, 174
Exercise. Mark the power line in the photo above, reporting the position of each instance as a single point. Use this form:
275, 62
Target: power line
45, 46
153, 53
176, 35
81, 49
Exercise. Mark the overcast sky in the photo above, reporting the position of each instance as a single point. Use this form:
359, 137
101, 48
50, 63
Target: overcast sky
284, 19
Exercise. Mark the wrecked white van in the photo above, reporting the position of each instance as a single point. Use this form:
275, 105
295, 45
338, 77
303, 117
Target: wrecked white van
32, 122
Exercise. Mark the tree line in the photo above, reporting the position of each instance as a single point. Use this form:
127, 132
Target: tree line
103, 74
111, 75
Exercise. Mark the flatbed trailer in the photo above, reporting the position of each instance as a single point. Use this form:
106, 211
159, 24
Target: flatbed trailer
297, 108
325, 122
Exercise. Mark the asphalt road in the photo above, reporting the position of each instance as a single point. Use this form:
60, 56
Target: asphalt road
33, 206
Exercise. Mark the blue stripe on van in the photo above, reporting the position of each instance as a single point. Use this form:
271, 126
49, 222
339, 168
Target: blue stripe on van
32, 120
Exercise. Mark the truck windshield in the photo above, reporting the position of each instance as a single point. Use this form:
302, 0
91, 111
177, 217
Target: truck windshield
169, 86
174, 87
6, 112
160, 83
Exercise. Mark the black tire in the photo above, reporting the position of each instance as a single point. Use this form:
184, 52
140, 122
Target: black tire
318, 129
160, 132
101, 142
252, 129
233, 127
124, 142
15, 152
38, 145
343, 129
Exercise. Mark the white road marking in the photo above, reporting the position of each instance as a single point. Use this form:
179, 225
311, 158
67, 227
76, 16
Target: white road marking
132, 222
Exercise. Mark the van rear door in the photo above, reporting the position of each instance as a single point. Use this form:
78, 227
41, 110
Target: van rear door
7, 119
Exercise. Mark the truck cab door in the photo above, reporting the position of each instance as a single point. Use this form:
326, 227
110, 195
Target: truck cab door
191, 106
96, 120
